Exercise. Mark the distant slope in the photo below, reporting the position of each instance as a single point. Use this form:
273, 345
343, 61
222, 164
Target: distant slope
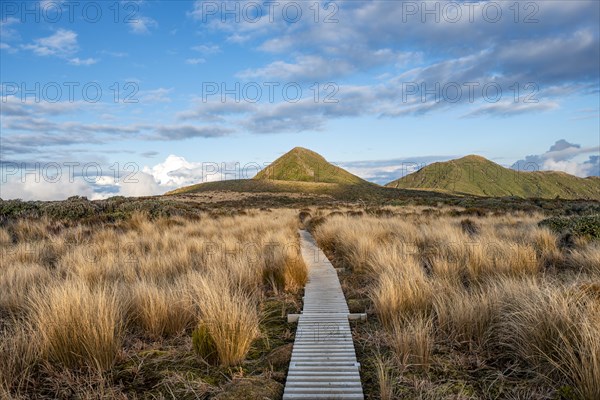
303, 165
298, 171
367, 192
257, 186
475, 175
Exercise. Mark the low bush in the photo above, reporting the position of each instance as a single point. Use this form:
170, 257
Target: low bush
587, 225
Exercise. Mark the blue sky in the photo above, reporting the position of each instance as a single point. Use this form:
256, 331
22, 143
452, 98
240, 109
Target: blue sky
398, 83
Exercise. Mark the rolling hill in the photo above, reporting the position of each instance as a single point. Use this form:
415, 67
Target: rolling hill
303, 165
477, 176
299, 171
305, 172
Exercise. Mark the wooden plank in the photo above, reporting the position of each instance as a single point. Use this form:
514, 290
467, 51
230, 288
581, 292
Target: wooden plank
323, 364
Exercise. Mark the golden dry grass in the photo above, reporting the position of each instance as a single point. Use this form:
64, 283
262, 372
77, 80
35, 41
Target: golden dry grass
17, 282
83, 292
76, 326
587, 259
383, 371
400, 291
412, 342
229, 316
492, 286
19, 354
160, 310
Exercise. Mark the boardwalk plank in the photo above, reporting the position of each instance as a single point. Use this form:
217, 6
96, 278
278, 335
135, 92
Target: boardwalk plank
323, 364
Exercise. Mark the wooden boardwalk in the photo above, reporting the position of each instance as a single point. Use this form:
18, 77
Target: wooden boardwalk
323, 364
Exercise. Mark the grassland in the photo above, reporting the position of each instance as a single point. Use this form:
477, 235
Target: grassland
163, 307
185, 296
468, 308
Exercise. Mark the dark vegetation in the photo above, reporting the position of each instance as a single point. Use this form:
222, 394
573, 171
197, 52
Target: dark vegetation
580, 225
82, 210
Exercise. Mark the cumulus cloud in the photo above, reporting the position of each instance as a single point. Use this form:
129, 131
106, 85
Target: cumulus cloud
175, 171
42, 189
566, 157
33, 182
140, 184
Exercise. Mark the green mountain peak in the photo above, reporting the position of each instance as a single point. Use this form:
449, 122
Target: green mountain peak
303, 165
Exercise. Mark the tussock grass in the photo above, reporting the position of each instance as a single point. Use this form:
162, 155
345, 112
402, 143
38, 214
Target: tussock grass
86, 292
161, 310
383, 371
400, 291
20, 353
412, 342
77, 326
17, 281
464, 317
229, 320
497, 287
5, 238
586, 259
553, 331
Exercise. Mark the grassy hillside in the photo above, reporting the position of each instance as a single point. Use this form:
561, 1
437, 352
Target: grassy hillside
475, 175
299, 171
304, 172
364, 190
303, 165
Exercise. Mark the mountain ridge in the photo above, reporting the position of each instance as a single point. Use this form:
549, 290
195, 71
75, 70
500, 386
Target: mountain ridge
477, 176
301, 170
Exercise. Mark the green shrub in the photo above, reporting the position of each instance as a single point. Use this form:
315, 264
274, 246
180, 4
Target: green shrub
588, 225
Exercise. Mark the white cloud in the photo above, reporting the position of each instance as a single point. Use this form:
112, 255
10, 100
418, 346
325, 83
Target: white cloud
32, 188
117, 54
161, 172
61, 44
176, 171
303, 68
146, 182
509, 108
160, 95
207, 49
237, 38
140, 184
570, 167
6, 32
195, 61
83, 61
566, 157
8, 48
142, 25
